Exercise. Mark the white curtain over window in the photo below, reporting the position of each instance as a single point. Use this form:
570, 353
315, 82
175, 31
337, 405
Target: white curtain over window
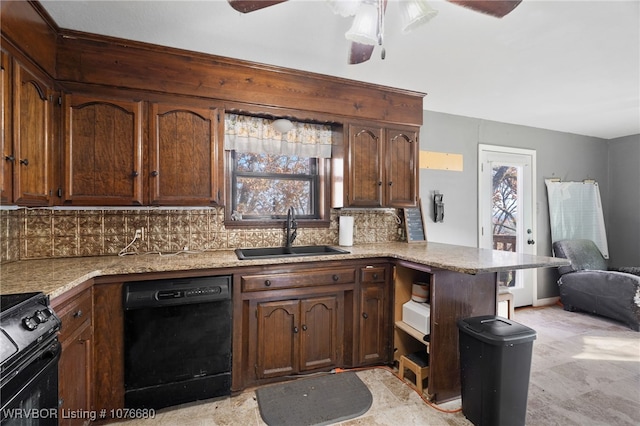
245, 133
575, 212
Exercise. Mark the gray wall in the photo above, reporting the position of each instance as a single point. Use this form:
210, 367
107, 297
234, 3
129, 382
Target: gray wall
563, 155
623, 227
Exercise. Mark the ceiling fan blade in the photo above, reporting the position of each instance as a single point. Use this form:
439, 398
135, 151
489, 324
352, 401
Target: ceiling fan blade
246, 6
360, 53
497, 8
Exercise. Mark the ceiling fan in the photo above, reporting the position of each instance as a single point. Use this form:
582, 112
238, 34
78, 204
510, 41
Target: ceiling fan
362, 45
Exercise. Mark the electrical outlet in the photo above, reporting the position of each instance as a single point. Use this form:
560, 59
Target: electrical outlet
140, 234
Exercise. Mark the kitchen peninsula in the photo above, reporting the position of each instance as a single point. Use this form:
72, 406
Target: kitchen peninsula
369, 283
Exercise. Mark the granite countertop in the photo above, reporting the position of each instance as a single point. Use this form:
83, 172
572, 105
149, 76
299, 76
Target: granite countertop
56, 276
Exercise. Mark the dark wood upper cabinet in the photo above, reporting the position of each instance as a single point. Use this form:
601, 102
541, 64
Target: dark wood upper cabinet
6, 147
402, 167
32, 138
185, 156
364, 166
146, 130
381, 168
103, 151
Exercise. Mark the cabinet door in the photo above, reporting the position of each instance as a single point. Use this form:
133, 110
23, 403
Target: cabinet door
401, 168
6, 148
319, 332
374, 323
103, 151
184, 155
278, 330
32, 121
75, 372
364, 187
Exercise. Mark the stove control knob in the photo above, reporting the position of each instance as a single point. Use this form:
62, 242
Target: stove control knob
30, 323
40, 317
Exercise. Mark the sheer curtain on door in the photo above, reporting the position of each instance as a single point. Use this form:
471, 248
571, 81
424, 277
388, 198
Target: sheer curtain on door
575, 212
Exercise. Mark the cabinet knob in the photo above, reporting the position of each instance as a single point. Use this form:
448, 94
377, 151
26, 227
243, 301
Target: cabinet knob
267, 283
154, 173
390, 183
25, 161
78, 314
10, 158
365, 315
379, 183
335, 277
304, 327
375, 276
135, 173
295, 329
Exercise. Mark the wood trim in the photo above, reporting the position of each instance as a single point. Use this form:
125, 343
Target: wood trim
27, 24
118, 63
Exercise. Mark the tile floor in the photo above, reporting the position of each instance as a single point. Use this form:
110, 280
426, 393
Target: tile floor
585, 371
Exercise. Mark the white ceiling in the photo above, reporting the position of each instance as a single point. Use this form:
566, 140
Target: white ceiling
570, 66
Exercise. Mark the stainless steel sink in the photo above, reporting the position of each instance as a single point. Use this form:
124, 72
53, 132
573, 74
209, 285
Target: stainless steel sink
296, 251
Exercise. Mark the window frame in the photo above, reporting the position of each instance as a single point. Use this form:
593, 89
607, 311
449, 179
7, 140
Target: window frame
321, 198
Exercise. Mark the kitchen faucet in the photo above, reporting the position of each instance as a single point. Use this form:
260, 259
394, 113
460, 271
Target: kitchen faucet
292, 228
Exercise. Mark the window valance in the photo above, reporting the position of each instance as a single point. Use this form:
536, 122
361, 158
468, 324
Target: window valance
245, 133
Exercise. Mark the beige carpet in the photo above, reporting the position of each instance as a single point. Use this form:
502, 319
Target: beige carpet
585, 371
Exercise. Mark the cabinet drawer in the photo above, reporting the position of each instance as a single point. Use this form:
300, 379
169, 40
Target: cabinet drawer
298, 279
373, 275
74, 313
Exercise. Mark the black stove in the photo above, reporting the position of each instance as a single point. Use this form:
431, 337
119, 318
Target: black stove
29, 354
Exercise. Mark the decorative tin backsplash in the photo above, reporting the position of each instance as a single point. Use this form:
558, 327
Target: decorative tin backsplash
49, 232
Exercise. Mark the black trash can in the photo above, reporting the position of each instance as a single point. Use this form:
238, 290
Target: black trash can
495, 364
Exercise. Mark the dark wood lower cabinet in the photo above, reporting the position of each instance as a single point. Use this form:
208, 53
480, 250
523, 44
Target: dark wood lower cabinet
75, 384
108, 377
75, 369
294, 336
297, 319
287, 319
375, 341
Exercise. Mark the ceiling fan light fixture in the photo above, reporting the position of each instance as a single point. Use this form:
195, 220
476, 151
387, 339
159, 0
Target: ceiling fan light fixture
344, 7
415, 13
282, 125
365, 25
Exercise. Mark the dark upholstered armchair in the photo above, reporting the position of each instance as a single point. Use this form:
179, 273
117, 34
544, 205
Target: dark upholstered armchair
589, 285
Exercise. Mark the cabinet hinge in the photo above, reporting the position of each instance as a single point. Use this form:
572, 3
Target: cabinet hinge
59, 100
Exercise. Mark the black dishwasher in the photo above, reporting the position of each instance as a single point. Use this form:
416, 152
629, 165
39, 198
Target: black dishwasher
177, 341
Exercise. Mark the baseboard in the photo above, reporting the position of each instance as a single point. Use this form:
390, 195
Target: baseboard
546, 302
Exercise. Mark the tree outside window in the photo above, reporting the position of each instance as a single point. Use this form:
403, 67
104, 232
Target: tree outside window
264, 186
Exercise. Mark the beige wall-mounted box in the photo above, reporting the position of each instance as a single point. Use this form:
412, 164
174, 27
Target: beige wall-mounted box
441, 161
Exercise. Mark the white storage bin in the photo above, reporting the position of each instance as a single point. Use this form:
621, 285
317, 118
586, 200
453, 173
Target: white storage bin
417, 315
